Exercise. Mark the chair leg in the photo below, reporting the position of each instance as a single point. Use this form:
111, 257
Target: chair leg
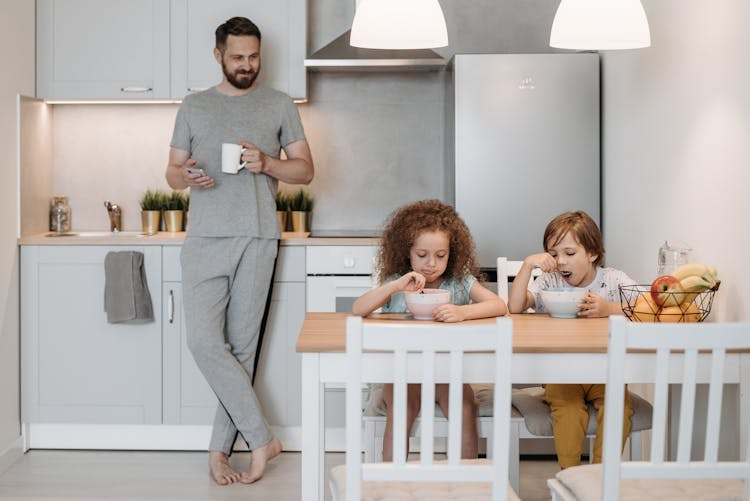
636, 446
515, 451
370, 442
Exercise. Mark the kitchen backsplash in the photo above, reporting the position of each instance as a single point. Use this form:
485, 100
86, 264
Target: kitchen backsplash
377, 138
376, 142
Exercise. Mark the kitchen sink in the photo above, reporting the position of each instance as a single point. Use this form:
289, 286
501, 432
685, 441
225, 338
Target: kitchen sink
99, 234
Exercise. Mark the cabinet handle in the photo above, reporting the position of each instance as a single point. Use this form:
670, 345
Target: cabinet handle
196, 89
136, 89
170, 307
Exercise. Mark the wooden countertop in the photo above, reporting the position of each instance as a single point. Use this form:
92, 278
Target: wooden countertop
164, 238
532, 333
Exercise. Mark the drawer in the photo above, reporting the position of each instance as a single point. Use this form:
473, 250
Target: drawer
170, 263
290, 266
341, 260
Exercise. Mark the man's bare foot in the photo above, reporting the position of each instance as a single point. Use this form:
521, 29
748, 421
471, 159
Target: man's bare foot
258, 460
221, 472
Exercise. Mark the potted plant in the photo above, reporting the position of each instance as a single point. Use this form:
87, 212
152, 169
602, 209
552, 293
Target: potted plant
174, 210
282, 208
301, 204
151, 204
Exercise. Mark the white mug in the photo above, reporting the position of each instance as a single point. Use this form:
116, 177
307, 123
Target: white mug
230, 158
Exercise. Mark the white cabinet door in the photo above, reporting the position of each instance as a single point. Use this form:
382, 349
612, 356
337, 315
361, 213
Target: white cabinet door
277, 383
103, 49
283, 27
76, 367
188, 399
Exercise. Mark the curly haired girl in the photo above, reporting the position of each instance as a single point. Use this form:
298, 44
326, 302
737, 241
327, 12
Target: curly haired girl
427, 245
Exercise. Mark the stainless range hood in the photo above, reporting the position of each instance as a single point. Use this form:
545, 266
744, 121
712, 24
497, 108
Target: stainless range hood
340, 56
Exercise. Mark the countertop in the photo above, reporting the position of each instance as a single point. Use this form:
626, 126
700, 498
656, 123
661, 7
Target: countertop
164, 238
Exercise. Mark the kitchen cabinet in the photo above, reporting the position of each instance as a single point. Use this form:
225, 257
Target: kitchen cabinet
90, 384
103, 49
278, 382
283, 26
188, 400
76, 367
158, 49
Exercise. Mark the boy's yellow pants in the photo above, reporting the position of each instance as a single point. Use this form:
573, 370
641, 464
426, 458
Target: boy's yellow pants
570, 418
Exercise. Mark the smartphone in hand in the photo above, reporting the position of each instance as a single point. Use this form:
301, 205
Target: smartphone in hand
196, 170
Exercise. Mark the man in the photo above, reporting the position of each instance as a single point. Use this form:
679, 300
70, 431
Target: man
232, 236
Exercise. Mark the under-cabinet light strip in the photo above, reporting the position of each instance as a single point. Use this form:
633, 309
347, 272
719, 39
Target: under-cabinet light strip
130, 101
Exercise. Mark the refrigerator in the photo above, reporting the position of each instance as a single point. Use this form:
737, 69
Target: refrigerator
523, 146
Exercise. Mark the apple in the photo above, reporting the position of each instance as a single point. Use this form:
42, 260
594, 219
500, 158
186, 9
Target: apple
666, 291
645, 310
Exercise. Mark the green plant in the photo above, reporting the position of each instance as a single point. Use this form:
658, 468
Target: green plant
174, 201
151, 200
282, 201
301, 201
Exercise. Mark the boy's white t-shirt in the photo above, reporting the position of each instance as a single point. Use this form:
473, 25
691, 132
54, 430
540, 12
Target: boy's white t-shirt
605, 284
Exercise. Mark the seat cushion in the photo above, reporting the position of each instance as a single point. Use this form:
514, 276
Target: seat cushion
412, 491
375, 405
585, 483
537, 416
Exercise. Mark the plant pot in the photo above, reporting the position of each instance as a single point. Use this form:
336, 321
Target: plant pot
281, 214
173, 220
150, 220
300, 221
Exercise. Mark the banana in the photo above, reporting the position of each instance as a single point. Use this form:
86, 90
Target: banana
690, 269
695, 283
695, 278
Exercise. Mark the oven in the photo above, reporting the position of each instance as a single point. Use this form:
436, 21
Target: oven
338, 275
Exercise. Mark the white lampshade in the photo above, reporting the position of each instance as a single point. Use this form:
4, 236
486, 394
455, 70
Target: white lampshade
399, 24
600, 25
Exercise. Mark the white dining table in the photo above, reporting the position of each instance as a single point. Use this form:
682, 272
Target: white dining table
545, 350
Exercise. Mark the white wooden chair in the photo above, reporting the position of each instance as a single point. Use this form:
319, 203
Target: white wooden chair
660, 477
426, 354
528, 401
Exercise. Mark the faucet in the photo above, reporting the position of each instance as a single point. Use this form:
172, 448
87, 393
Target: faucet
115, 216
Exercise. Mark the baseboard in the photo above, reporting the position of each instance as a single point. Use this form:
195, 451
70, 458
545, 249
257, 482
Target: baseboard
11, 454
151, 437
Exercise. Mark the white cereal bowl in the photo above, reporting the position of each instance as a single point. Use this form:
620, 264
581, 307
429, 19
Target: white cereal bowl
562, 302
421, 304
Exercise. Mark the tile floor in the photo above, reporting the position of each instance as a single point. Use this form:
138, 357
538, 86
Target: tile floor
42, 475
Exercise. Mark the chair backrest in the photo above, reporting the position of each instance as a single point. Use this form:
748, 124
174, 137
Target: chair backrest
671, 345
427, 353
507, 269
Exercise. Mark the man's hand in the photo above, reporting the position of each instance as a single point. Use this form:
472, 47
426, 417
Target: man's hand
255, 160
195, 180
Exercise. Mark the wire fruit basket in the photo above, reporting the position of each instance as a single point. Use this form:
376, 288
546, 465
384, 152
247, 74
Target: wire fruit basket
638, 305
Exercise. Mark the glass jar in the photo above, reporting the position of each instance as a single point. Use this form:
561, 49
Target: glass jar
59, 214
672, 256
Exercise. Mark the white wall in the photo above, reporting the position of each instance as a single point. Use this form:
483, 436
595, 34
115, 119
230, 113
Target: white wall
676, 146
17, 60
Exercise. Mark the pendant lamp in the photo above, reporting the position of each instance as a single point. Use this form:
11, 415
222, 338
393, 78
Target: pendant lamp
600, 25
398, 24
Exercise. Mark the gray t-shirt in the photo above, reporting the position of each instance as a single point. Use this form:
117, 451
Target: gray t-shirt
604, 284
239, 204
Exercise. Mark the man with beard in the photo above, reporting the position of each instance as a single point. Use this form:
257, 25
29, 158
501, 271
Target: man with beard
232, 236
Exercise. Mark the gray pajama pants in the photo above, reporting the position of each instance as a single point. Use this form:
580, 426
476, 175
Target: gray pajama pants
225, 286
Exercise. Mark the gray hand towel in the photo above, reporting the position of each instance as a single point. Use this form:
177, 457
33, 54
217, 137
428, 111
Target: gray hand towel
126, 295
